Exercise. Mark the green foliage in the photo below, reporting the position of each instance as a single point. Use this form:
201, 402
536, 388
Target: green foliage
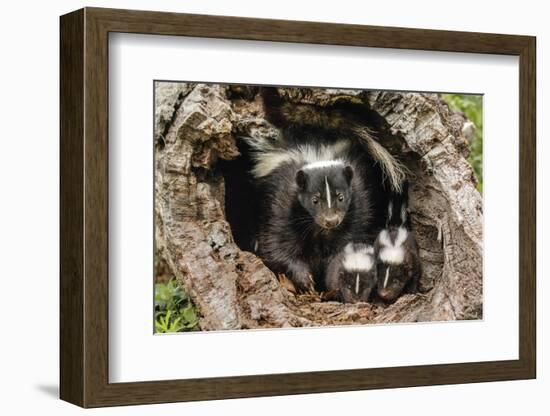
472, 107
165, 323
174, 311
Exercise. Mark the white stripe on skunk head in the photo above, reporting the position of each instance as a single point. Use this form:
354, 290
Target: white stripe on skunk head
320, 164
328, 192
268, 158
358, 257
392, 252
387, 277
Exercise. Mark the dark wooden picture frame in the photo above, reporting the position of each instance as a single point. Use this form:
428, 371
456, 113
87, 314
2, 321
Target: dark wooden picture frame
84, 207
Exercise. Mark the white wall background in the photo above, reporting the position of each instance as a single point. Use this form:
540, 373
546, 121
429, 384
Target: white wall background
29, 207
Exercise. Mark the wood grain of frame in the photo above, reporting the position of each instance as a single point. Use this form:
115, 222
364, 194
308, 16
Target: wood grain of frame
84, 207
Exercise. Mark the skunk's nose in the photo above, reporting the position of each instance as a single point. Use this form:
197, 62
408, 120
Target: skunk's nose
332, 221
386, 294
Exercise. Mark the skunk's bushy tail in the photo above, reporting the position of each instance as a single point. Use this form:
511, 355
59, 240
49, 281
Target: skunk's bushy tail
393, 170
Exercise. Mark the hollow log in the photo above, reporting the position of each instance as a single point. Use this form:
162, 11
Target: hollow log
198, 125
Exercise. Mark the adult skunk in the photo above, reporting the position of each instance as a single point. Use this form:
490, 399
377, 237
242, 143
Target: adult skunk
398, 266
350, 274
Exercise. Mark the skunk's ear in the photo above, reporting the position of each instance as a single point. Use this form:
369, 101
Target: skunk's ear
301, 179
348, 174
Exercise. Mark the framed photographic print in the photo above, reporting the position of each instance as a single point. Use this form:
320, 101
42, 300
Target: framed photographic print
291, 207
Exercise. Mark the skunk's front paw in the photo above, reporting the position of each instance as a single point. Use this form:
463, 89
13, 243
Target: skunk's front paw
302, 279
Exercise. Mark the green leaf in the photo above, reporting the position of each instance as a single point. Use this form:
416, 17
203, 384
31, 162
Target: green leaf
472, 107
174, 310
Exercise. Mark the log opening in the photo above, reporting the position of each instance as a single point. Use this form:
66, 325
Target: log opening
205, 215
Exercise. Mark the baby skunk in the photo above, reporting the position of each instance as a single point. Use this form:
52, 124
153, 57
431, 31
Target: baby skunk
312, 203
350, 274
398, 266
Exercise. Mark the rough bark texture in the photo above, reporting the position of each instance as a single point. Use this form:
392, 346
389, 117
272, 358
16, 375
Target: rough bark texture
198, 124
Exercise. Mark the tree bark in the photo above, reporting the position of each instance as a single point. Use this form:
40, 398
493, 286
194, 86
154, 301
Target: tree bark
196, 125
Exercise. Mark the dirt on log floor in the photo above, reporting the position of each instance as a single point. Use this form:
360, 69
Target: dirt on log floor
197, 126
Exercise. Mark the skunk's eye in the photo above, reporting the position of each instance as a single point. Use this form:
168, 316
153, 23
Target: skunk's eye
340, 197
315, 200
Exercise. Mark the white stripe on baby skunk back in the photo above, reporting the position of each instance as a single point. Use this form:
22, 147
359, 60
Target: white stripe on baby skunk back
358, 257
